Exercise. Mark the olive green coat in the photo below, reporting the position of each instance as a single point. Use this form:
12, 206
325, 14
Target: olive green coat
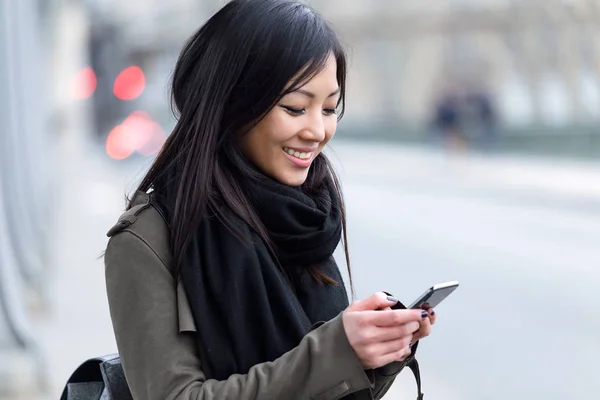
161, 355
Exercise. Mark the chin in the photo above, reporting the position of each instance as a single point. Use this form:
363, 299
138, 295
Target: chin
292, 178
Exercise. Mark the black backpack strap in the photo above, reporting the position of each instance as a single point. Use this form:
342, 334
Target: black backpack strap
414, 367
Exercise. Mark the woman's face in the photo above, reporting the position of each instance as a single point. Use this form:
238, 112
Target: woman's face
285, 142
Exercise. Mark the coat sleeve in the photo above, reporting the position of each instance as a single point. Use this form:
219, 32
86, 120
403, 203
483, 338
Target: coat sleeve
160, 362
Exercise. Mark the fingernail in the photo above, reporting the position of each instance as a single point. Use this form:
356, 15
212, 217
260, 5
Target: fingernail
432, 312
392, 299
409, 345
424, 314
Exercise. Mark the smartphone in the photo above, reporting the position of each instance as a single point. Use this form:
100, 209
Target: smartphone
434, 295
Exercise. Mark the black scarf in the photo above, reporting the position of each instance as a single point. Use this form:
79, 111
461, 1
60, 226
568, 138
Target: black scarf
247, 308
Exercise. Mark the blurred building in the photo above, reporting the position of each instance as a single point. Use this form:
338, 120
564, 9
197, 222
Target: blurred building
538, 61
540, 58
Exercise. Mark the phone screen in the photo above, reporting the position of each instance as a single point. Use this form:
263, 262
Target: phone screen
433, 297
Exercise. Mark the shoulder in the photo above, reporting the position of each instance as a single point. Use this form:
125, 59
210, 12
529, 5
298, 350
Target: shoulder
142, 226
138, 260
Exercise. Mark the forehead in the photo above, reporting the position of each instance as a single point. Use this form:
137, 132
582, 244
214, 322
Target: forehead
325, 78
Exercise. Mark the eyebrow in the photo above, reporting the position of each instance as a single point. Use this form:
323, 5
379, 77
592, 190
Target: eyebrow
312, 95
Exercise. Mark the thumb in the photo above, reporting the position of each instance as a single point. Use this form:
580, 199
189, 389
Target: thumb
376, 301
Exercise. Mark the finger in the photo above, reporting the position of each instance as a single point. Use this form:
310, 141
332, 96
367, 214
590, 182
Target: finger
424, 330
395, 317
383, 334
392, 346
399, 355
376, 301
430, 311
432, 316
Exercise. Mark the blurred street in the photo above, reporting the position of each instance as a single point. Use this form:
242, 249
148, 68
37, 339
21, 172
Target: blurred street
521, 326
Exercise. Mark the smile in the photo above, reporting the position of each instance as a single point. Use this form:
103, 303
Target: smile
298, 154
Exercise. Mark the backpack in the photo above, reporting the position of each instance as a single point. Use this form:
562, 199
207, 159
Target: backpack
99, 378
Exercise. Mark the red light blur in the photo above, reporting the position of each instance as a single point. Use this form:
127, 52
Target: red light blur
137, 133
83, 84
117, 143
155, 141
130, 83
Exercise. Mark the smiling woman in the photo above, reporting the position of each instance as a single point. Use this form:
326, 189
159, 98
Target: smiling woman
220, 276
284, 143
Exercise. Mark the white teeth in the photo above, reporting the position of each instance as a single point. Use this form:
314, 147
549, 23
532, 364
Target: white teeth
297, 154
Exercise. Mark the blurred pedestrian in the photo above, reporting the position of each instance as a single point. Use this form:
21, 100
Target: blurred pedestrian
483, 118
220, 276
447, 120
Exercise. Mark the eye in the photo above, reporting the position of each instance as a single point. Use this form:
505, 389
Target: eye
329, 111
294, 111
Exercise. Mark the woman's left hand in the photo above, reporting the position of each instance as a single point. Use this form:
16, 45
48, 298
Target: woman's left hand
426, 324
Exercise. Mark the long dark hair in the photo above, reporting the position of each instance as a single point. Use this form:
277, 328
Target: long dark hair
229, 75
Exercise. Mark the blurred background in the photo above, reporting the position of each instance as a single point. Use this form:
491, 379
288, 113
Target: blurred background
469, 151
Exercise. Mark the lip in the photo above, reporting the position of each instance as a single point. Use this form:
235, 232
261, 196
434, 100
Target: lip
298, 162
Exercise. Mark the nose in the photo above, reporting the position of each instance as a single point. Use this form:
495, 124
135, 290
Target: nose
315, 129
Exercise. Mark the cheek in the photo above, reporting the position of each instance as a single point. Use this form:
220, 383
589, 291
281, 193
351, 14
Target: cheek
276, 128
253, 145
283, 127
261, 135
330, 129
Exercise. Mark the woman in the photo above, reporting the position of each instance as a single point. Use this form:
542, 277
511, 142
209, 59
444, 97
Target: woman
220, 276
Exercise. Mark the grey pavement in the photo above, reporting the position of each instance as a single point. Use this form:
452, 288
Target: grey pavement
524, 246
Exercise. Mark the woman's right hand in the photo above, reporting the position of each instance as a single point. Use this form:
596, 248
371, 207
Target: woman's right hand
380, 336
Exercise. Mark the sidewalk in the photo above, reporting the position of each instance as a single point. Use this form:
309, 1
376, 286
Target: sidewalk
563, 182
